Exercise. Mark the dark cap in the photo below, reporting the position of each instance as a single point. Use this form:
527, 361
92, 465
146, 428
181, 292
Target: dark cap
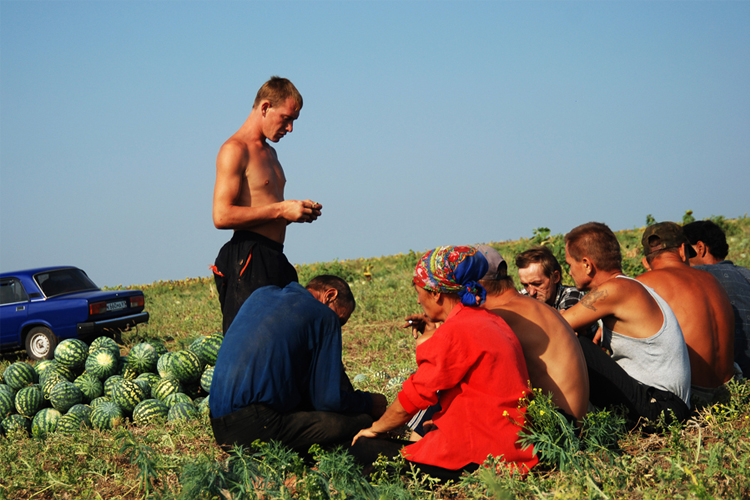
498, 267
665, 235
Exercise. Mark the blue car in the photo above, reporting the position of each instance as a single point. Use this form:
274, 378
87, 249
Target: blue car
41, 307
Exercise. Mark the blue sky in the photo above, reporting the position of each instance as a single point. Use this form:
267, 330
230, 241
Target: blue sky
424, 124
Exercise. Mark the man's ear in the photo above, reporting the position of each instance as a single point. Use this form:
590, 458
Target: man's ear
264, 107
588, 266
555, 277
683, 253
701, 249
645, 263
330, 295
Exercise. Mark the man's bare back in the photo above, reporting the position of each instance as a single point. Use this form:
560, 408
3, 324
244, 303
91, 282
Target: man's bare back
552, 352
705, 315
249, 189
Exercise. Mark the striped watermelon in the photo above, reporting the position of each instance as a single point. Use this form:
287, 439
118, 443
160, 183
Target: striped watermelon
29, 401
99, 401
203, 407
19, 375
50, 381
145, 387
45, 422
83, 411
64, 395
90, 386
105, 343
44, 366
152, 378
150, 410
185, 366
106, 416
110, 383
181, 411
206, 378
165, 387
161, 349
128, 372
64, 371
71, 353
177, 397
207, 348
8, 389
12, 423
69, 423
143, 357
127, 394
7, 404
102, 363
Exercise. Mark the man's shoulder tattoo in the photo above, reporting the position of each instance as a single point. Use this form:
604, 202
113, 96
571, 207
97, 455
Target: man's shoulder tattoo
590, 298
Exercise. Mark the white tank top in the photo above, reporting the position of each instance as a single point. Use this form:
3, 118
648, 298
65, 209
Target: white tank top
661, 360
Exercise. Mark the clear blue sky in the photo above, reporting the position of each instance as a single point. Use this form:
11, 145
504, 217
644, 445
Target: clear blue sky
424, 124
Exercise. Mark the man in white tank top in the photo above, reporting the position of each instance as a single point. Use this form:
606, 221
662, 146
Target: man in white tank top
648, 370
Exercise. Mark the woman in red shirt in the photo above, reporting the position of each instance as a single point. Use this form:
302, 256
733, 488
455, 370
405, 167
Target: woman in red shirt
475, 362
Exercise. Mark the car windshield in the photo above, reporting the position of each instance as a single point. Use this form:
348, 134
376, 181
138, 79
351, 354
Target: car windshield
62, 281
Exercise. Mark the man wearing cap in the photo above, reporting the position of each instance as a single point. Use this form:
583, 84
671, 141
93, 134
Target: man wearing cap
646, 368
710, 245
552, 352
700, 304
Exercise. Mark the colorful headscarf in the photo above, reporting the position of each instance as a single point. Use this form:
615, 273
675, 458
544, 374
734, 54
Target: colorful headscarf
453, 270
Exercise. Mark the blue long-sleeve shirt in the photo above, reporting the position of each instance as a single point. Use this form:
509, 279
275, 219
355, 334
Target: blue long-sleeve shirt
283, 349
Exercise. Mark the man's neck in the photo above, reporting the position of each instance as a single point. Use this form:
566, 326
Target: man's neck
667, 260
602, 277
499, 300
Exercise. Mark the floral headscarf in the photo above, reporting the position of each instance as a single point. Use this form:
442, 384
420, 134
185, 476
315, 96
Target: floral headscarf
453, 270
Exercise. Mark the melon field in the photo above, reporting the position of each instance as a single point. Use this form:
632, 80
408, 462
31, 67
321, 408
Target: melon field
135, 424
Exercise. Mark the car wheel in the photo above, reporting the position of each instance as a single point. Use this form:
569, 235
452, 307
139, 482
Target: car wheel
41, 343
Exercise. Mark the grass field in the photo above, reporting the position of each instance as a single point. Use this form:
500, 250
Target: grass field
708, 457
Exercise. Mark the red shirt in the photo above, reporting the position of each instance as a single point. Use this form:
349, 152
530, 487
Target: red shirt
475, 361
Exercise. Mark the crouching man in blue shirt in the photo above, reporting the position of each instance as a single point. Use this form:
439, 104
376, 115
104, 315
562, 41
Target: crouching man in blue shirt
279, 374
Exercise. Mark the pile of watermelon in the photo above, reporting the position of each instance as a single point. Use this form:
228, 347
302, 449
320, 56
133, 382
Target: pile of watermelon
95, 386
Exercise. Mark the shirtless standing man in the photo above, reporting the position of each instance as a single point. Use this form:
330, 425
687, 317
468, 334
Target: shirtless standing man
648, 370
552, 352
249, 198
700, 304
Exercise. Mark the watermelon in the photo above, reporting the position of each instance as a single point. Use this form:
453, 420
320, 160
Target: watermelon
44, 366
102, 363
207, 348
185, 366
45, 422
152, 378
128, 372
50, 381
8, 390
395, 382
64, 395
69, 423
83, 411
7, 404
110, 383
98, 401
206, 378
127, 394
161, 349
19, 375
181, 411
90, 386
143, 358
29, 401
105, 343
106, 416
203, 406
12, 423
150, 410
63, 371
145, 386
71, 353
165, 387
177, 397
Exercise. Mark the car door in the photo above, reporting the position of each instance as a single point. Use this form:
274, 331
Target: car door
14, 308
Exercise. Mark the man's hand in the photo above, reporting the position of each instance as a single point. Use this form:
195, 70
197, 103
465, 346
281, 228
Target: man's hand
368, 433
379, 404
300, 210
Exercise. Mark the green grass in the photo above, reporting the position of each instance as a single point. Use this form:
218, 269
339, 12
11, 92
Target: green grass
709, 457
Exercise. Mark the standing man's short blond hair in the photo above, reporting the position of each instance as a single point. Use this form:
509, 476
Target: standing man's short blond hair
276, 91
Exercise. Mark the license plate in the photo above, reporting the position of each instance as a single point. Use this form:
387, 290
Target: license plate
116, 306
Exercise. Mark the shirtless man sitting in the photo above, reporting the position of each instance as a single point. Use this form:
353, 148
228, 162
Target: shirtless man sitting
552, 352
700, 304
249, 198
648, 370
